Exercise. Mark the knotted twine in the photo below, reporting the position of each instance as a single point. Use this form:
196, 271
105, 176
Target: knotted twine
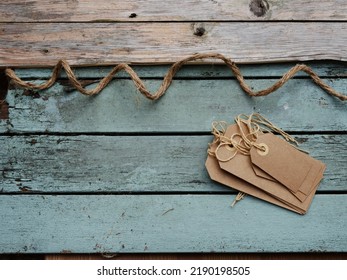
63, 64
243, 142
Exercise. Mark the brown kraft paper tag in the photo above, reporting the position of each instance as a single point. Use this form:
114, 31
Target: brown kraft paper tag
241, 166
236, 183
249, 158
296, 170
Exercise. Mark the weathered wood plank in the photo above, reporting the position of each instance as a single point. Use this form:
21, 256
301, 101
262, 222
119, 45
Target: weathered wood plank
334, 69
188, 106
173, 10
43, 44
129, 164
174, 223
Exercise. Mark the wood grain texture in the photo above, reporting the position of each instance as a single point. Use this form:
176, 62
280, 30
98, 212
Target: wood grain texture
298, 106
194, 223
172, 10
43, 44
135, 163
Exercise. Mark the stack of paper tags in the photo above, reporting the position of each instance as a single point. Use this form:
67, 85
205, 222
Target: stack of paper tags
248, 157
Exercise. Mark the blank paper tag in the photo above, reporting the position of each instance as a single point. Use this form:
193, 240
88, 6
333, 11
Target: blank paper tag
291, 167
236, 183
241, 166
261, 164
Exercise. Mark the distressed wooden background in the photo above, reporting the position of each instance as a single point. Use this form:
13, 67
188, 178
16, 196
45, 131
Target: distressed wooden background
116, 173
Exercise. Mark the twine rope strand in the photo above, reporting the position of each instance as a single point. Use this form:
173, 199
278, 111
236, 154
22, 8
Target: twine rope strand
167, 80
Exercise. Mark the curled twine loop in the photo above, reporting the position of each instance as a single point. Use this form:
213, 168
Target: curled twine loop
243, 142
63, 64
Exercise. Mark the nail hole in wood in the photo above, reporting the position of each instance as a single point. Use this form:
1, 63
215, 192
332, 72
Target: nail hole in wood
133, 15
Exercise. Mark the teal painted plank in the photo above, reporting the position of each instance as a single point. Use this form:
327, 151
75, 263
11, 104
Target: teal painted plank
188, 106
322, 68
135, 163
175, 223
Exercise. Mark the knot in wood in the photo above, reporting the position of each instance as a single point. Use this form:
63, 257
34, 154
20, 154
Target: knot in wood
199, 30
259, 7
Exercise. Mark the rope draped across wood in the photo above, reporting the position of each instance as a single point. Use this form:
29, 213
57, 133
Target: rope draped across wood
63, 64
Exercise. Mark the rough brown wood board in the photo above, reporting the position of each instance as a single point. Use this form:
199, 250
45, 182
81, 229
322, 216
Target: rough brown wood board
43, 44
172, 10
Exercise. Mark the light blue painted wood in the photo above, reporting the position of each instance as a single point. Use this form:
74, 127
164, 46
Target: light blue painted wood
168, 223
198, 218
188, 106
134, 163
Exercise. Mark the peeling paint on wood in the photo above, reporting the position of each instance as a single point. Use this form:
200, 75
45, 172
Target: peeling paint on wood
135, 163
120, 108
